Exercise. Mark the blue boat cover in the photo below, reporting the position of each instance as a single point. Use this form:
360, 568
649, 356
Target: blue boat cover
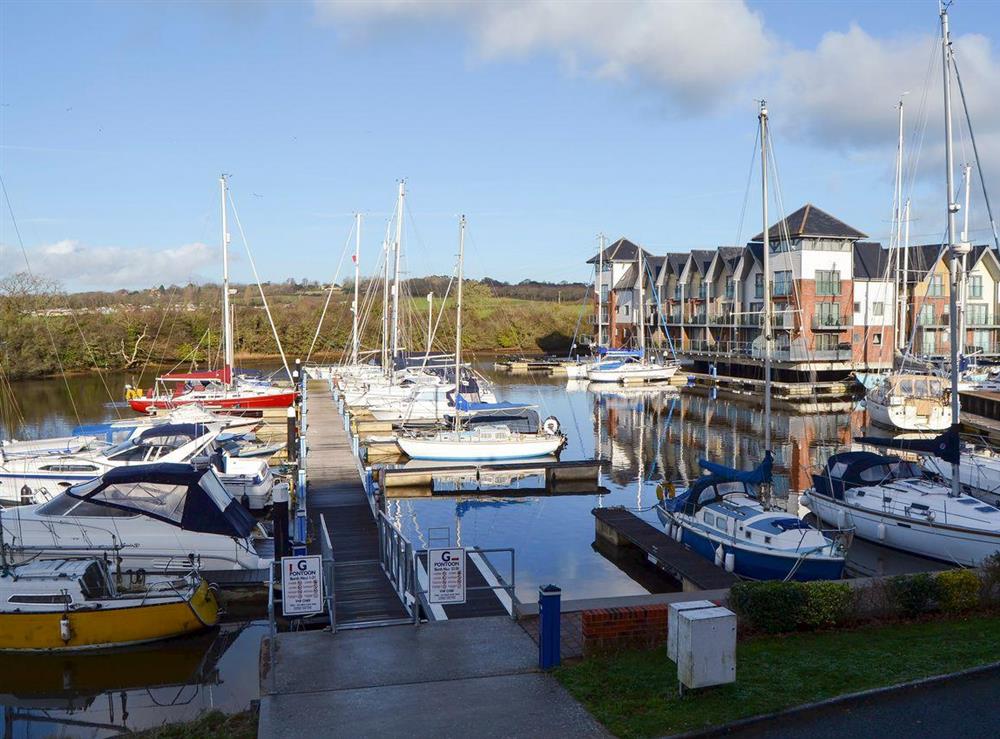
464, 405
760, 474
946, 446
605, 352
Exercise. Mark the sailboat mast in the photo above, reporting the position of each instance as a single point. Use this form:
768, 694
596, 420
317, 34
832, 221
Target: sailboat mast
767, 276
898, 210
355, 339
904, 284
956, 250
600, 292
227, 316
386, 368
395, 281
642, 311
458, 317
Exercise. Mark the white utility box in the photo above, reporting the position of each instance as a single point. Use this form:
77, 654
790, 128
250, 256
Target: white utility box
673, 609
706, 647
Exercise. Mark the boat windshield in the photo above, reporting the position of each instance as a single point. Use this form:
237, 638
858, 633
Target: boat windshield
216, 490
160, 499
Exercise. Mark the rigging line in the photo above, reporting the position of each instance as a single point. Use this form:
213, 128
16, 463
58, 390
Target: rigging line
93, 358
253, 266
579, 317
45, 322
746, 192
975, 151
329, 293
163, 317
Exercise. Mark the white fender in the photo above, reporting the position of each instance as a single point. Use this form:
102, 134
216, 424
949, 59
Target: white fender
65, 632
730, 561
881, 532
551, 426
719, 554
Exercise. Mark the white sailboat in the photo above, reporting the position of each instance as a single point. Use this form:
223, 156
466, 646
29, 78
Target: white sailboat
627, 370
897, 503
482, 442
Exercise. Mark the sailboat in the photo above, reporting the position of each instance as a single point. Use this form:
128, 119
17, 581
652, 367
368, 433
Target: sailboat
480, 442
896, 503
214, 389
721, 517
627, 370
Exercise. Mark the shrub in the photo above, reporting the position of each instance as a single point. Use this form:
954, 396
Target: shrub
990, 569
958, 590
772, 607
826, 604
914, 594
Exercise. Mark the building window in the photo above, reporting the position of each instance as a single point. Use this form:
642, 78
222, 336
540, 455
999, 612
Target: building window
857, 307
877, 339
926, 315
936, 288
826, 342
878, 308
977, 314
678, 291
604, 293
828, 314
828, 282
975, 286
730, 288
758, 286
625, 309
782, 283
702, 289
928, 341
981, 342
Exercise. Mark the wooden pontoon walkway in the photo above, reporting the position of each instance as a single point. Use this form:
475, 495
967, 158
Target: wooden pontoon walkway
623, 528
363, 593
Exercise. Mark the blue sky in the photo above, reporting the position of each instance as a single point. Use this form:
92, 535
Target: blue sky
545, 123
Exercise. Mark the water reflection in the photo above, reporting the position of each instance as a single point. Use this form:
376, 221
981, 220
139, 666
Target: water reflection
102, 694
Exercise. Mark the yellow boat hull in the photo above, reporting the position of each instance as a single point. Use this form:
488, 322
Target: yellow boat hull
110, 627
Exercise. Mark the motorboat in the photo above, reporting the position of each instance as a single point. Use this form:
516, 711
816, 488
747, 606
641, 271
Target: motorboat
720, 517
74, 604
158, 518
910, 402
26, 480
898, 504
632, 371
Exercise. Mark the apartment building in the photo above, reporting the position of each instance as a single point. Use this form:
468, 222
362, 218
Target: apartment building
837, 300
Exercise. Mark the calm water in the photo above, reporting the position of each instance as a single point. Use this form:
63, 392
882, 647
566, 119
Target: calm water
648, 436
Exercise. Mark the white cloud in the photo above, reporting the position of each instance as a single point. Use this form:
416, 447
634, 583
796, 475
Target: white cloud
111, 267
698, 52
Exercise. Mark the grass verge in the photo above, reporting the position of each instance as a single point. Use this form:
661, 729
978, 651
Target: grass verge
634, 694
210, 725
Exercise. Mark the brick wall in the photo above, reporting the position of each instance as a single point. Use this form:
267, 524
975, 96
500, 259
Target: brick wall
611, 629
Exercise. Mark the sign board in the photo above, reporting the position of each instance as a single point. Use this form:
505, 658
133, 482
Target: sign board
302, 585
446, 575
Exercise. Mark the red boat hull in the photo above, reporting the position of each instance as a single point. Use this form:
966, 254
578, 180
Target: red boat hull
233, 402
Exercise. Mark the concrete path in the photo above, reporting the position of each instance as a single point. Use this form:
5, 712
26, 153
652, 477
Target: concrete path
960, 707
470, 677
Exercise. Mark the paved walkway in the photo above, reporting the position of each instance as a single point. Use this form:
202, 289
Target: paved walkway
469, 677
957, 708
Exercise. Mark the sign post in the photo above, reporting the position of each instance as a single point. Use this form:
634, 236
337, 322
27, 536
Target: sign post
446, 575
302, 585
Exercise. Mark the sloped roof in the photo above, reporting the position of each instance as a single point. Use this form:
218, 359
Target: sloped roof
871, 261
676, 261
622, 250
730, 255
656, 265
810, 221
921, 260
701, 259
628, 280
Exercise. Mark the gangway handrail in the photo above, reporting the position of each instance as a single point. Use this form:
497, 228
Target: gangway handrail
329, 567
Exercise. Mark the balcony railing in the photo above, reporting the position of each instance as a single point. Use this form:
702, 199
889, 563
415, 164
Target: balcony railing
831, 323
756, 351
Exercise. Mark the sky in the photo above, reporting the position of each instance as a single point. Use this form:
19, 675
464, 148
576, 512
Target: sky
545, 123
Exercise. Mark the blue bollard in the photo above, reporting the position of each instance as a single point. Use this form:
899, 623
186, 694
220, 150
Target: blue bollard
549, 608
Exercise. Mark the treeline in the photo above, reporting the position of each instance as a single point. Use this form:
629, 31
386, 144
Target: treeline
45, 331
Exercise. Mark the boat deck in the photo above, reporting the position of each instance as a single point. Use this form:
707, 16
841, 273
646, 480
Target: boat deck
622, 527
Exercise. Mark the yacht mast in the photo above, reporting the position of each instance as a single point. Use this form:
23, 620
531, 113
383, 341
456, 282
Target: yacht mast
458, 317
767, 276
642, 310
600, 292
395, 283
227, 316
898, 211
957, 251
386, 366
904, 285
355, 341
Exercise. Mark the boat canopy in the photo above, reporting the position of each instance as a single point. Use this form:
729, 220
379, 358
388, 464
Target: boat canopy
607, 352
917, 386
177, 494
706, 489
860, 469
467, 406
946, 446
758, 475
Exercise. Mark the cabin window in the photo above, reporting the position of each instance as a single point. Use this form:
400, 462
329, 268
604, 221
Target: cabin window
53, 598
722, 523
875, 473
748, 535
838, 469
64, 505
767, 539
165, 501
709, 519
68, 468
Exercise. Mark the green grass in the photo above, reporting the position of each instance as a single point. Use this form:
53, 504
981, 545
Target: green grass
210, 725
635, 693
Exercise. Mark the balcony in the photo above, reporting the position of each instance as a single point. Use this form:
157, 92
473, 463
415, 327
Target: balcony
844, 353
831, 323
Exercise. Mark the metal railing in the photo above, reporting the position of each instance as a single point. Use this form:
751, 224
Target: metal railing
272, 643
329, 563
500, 582
395, 555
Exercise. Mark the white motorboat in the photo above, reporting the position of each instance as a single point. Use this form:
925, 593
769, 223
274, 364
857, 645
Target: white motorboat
897, 504
35, 479
159, 518
910, 402
482, 443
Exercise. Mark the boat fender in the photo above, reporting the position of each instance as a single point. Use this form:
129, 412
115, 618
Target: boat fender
65, 632
841, 519
930, 515
719, 554
659, 492
551, 426
881, 532
25, 495
730, 561
679, 534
